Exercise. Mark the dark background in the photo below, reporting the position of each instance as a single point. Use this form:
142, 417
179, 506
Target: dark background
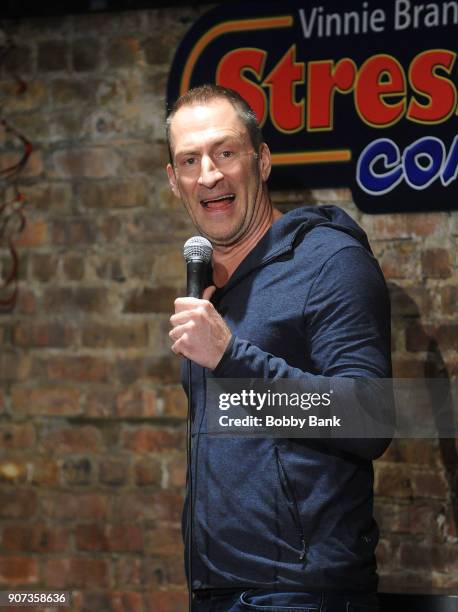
11, 9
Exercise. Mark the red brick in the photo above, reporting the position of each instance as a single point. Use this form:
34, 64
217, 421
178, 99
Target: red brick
167, 267
148, 472
71, 91
403, 225
79, 369
100, 403
52, 55
174, 401
85, 54
124, 52
166, 601
38, 538
43, 335
76, 300
447, 337
15, 571
48, 401
26, 302
418, 337
392, 481
45, 472
73, 232
447, 526
449, 300
436, 263
108, 268
161, 505
150, 300
118, 194
398, 518
423, 452
129, 572
151, 439
113, 471
408, 368
431, 484
44, 267
109, 229
141, 158
77, 471
136, 402
99, 162
177, 472
13, 471
163, 370
35, 234
72, 439
123, 537
174, 571
33, 169
386, 555
17, 503
446, 582
400, 260
122, 335
18, 59
73, 266
428, 556
76, 506
46, 197
82, 572
14, 366
145, 228
116, 601
17, 436
410, 301
164, 542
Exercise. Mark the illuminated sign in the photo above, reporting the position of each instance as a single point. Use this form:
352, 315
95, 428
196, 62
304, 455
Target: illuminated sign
359, 94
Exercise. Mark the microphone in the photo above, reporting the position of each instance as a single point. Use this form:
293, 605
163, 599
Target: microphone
197, 252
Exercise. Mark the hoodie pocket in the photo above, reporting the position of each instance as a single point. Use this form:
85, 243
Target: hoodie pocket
291, 501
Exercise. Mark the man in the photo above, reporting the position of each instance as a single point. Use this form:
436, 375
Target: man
279, 524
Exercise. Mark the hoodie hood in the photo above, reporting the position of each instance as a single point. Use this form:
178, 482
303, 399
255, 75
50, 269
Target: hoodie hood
291, 227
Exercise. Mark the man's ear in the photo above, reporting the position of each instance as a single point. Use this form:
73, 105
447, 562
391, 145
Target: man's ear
173, 180
265, 161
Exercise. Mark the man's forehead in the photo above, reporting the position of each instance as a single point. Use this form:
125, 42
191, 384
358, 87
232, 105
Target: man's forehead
216, 119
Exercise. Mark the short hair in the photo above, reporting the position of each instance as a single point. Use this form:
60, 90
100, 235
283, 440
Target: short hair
203, 94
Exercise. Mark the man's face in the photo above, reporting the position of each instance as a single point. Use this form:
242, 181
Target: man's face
216, 172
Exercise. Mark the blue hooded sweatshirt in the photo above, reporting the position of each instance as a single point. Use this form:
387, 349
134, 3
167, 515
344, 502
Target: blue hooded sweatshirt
309, 300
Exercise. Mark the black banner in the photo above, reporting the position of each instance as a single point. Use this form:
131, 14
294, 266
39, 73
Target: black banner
358, 94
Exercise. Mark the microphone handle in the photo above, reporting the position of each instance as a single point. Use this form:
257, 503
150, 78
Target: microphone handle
196, 279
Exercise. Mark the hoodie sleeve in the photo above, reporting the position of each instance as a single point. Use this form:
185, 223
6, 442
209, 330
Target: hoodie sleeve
347, 322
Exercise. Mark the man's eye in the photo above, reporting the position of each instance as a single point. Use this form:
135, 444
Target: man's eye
226, 154
189, 161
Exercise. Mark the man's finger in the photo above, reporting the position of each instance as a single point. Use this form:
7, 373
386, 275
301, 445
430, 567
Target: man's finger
185, 303
179, 330
208, 292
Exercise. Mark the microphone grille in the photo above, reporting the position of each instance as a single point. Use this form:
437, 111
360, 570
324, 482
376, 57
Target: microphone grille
197, 248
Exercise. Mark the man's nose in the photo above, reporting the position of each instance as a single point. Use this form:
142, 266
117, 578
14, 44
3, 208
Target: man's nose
209, 172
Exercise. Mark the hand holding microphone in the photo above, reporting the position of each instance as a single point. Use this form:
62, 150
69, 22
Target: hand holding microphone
198, 330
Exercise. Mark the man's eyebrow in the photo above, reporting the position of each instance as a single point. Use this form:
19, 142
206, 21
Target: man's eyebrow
216, 143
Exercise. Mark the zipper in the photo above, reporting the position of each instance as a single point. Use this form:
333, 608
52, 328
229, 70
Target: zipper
292, 503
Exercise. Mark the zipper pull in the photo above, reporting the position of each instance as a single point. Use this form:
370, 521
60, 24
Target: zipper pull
303, 549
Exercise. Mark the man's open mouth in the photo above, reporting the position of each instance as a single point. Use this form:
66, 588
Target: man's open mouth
218, 203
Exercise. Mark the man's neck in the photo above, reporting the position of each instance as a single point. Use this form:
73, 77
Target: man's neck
227, 259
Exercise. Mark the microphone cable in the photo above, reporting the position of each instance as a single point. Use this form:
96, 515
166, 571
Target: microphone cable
190, 487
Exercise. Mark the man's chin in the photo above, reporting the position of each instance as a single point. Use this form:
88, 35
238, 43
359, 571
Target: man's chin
221, 237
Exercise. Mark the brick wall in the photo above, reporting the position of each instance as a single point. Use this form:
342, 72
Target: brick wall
91, 412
